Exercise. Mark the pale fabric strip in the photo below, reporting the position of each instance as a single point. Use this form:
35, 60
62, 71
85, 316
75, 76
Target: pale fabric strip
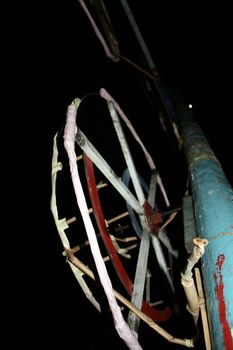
98, 34
121, 326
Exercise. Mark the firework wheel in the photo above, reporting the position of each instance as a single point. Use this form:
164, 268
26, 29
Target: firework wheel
150, 219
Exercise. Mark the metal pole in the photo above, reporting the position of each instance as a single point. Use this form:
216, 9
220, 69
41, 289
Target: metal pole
149, 60
213, 209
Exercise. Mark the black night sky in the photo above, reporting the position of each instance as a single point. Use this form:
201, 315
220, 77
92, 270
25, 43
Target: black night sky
54, 57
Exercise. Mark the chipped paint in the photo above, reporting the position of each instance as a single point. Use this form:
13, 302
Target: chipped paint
227, 338
213, 209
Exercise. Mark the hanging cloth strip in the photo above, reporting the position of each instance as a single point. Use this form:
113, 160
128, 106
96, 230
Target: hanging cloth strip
129, 337
98, 33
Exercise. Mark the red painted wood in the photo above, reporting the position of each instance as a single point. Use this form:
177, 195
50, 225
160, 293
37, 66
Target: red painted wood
226, 331
155, 314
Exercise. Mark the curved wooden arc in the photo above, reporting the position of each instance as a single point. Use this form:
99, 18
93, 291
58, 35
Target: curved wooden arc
155, 314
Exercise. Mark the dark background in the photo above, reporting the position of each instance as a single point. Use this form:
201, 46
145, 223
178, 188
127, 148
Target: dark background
52, 56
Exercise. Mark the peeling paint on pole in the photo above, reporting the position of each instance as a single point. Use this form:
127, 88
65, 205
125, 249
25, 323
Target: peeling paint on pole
213, 208
227, 339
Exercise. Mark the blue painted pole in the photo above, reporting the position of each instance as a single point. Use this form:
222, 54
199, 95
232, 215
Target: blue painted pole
213, 207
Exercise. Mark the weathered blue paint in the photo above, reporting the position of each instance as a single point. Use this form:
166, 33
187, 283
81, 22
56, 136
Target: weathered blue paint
213, 208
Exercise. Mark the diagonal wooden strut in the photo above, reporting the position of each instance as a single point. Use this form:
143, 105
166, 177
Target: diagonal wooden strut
156, 315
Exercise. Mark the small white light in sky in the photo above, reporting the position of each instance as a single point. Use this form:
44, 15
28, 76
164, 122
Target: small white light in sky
190, 106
